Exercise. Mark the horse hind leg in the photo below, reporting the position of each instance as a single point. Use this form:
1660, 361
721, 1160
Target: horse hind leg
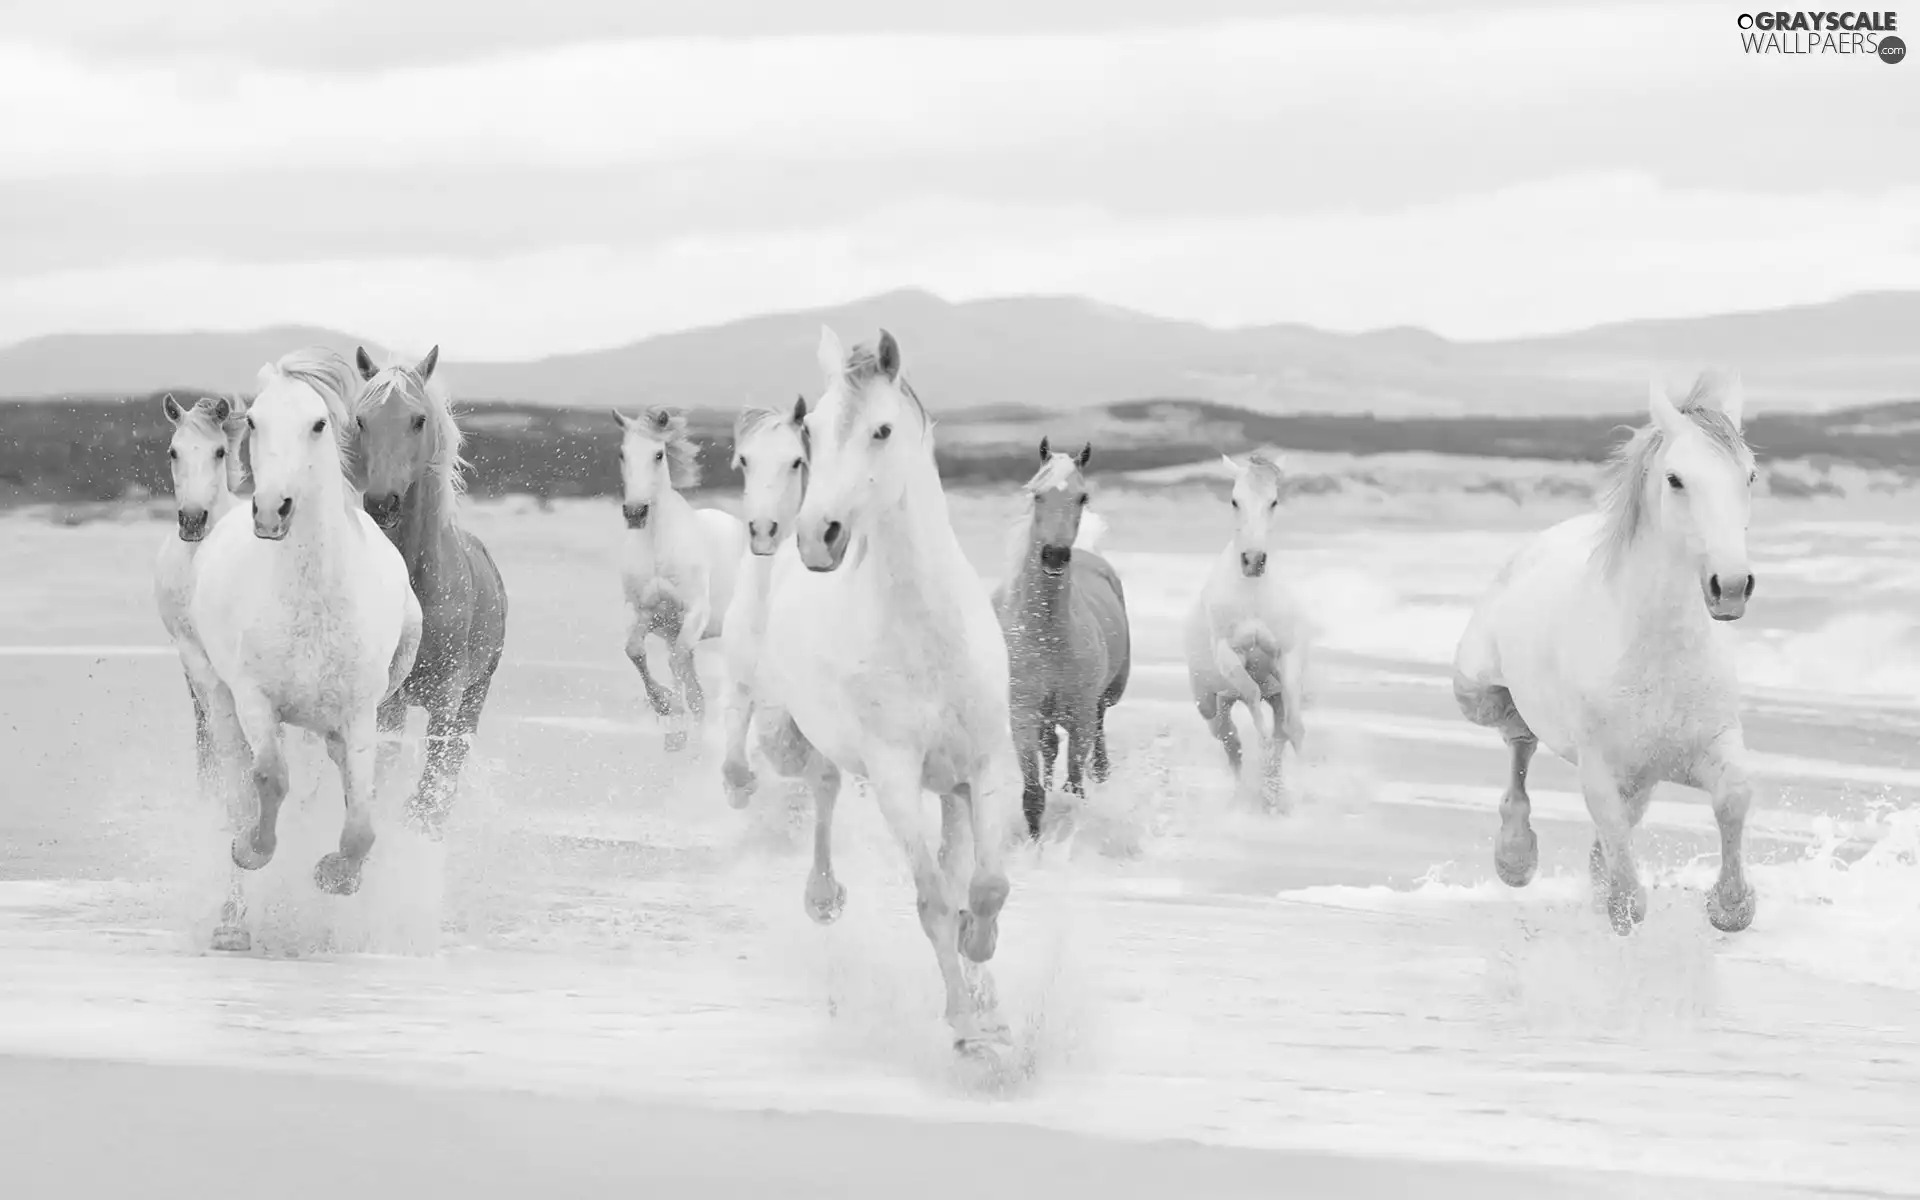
1049, 751
1516, 852
451, 725
1101, 765
692, 712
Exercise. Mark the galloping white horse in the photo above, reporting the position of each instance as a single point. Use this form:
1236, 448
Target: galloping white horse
882, 646
1246, 640
770, 450
204, 456
1601, 639
303, 608
679, 561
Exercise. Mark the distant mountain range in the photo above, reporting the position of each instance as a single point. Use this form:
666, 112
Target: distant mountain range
1064, 353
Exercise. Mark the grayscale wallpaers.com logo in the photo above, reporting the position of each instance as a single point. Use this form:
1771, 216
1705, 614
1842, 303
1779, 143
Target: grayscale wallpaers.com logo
1864, 33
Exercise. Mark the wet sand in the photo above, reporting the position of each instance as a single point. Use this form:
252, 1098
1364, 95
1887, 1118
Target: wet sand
85, 1129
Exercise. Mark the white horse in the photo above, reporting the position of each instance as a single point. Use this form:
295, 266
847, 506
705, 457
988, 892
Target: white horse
679, 562
204, 456
1246, 639
883, 648
1601, 639
770, 451
303, 608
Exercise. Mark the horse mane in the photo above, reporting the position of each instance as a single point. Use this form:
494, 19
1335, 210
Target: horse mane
863, 367
335, 381
445, 438
1258, 463
668, 426
753, 420
1625, 507
200, 417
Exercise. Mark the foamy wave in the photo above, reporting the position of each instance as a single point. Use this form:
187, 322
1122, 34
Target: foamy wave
1854, 921
1873, 653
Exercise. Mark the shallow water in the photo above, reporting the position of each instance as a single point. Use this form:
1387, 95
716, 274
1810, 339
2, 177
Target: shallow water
1348, 977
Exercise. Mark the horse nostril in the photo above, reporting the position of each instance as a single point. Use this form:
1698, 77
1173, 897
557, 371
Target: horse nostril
1713, 586
286, 506
1749, 587
833, 532
773, 528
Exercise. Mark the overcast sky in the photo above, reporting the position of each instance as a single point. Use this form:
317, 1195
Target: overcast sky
513, 180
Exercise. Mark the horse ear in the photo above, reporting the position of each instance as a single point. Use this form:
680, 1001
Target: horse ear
621, 417
1046, 450
800, 410
833, 359
222, 409
1086, 455
427, 364
1661, 409
364, 361
888, 352
171, 407
1233, 468
1733, 400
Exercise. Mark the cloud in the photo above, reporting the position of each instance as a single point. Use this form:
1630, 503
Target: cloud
1536, 258
860, 99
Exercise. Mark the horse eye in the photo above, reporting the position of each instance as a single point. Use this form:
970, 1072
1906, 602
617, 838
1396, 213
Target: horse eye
1273, 505
1673, 481
419, 422
1083, 500
883, 433
320, 426
172, 453
743, 462
658, 455
1235, 503
798, 463
249, 423
1751, 476
219, 454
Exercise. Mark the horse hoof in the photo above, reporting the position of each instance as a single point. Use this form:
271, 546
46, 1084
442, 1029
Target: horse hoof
826, 899
982, 1037
1730, 917
1516, 861
676, 741
248, 855
426, 820
978, 937
337, 875
232, 939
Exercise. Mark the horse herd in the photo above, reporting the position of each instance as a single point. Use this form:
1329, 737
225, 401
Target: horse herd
321, 578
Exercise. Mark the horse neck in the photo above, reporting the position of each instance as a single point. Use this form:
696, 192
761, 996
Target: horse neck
426, 516
1653, 586
919, 546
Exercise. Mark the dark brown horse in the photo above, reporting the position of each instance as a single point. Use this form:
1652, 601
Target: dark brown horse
1069, 648
410, 468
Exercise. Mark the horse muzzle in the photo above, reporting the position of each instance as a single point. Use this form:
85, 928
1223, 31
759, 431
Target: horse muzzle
1054, 559
385, 510
1727, 595
636, 514
763, 537
272, 526
193, 524
1253, 563
826, 550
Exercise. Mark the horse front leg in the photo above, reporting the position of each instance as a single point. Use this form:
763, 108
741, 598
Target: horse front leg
826, 896
1029, 736
658, 697
353, 752
260, 727
1721, 772
227, 779
1616, 882
1216, 709
896, 783
1081, 722
736, 718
